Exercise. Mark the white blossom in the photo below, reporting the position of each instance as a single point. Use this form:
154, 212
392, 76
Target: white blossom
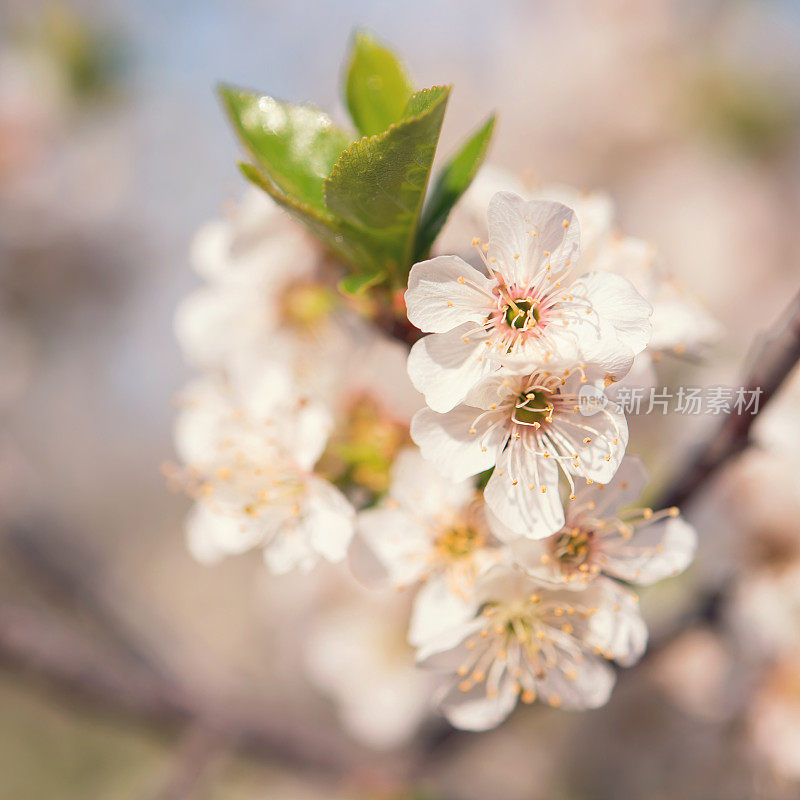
525, 639
429, 531
603, 537
355, 652
248, 465
262, 272
530, 429
523, 315
681, 322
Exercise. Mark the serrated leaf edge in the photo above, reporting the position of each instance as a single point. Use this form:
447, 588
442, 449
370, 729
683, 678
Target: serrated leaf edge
376, 137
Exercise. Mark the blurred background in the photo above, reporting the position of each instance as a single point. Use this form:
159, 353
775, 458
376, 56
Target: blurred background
113, 150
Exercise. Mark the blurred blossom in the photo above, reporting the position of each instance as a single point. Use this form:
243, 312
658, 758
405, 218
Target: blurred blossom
30, 108
250, 476
695, 672
356, 653
775, 719
766, 612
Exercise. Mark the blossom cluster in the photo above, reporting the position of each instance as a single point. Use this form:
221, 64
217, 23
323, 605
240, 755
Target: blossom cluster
506, 511
510, 345
285, 370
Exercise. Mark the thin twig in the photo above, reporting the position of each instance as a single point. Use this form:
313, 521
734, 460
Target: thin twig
203, 745
67, 575
774, 358
43, 645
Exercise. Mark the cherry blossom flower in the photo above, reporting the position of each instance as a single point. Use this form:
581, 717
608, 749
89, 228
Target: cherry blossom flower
526, 639
600, 540
263, 276
681, 322
774, 718
523, 314
682, 325
250, 475
429, 531
529, 428
355, 652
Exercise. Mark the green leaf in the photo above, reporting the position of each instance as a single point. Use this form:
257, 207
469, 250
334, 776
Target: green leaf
358, 284
378, 185
345, 242
454, 179
377, 88
423, 99
295, 145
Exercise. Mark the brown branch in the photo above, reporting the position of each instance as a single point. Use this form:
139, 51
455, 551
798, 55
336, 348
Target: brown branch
774, 358
66, 575
64, 656
202, 745
44, 646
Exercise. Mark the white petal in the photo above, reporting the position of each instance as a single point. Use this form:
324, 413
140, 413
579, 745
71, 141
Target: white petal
210, 248
445, 440
607, 432
494, 389
514, 493
211, 536
447, 650
289, 550
682, 324
589, 687
641, 376
500, 530
419, 488
528, 553
518, 254
263, 383
657, 551
437, 301
561, 348
618, 628
398, 541
616, 301
205, 420
444, 367
595, 212
327, 520
306, 433
476, 710
600, 347
365, 565
203, 325
436, 610
624, 488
